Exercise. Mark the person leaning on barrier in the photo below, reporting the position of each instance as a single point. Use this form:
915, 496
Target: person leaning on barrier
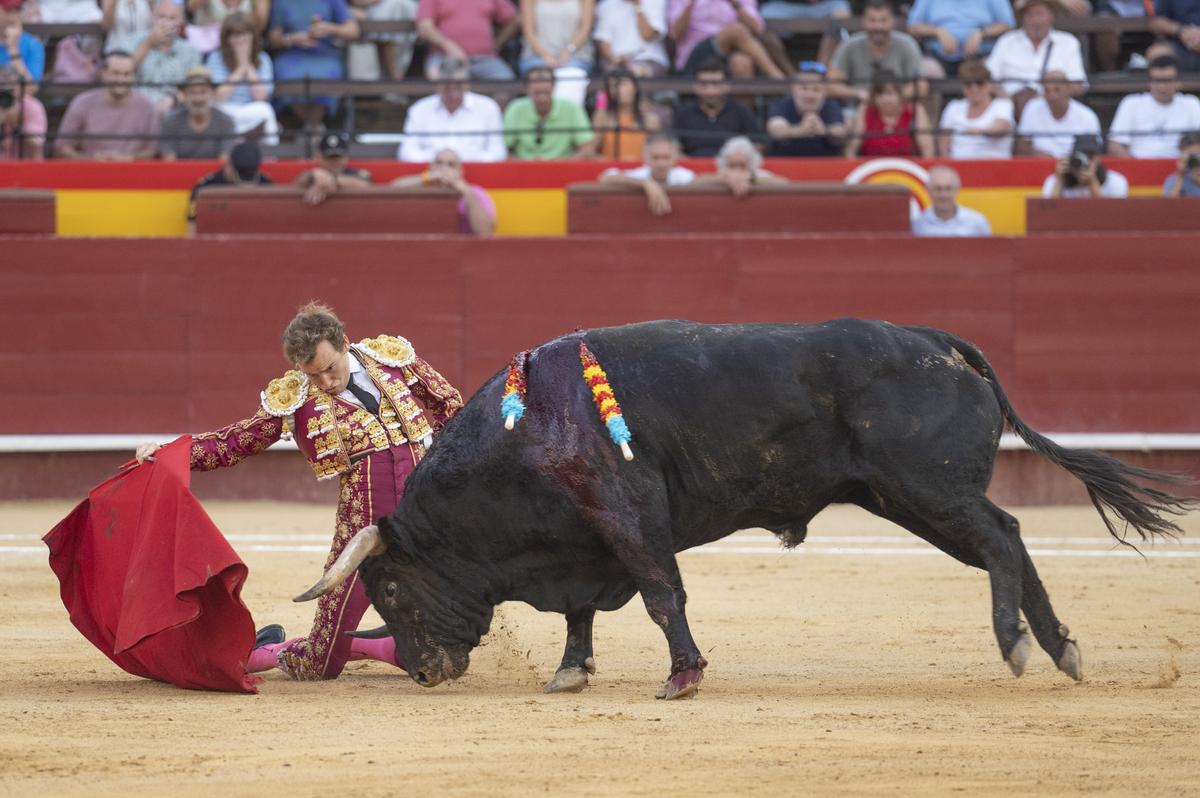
476, 211
241, 169
1148, 124
806, 124
1185, 180
945, 217
332, 172
1082, 174
739, 168
660, 171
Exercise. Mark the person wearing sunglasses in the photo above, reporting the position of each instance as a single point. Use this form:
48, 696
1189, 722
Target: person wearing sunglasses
807, 123
979, 125
540, 126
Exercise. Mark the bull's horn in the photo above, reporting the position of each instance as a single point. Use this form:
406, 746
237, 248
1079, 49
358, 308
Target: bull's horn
377, 633
367, 543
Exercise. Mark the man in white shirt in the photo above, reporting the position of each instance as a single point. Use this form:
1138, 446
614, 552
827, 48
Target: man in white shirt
1083, 175
1022, 57
454, 118
630, 33
945, 217
660, 170
1051, 122
1148, 125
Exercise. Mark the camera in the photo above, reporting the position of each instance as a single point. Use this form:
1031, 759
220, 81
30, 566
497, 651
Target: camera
1193, 160
6, 99
1078, 161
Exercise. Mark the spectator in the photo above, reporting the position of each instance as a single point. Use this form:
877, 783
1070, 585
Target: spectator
704, 124
394, 50
464, 30
944, 216
195, 129
1106, 45
878, 47
729, 29
631, 34
455, 118
58, 12
332, 172
476, 211
112, 123
207, 17
557, 34
244, 76
22, 53
810, 9
1179, 22
1082, 174
739, 168
807, 124
22, 120
1023, 57
125, 20
956, 30
241, 169
890, 125
624, 119
659, 171
160, 57
978, 125
76, 57
305, 36
542, 126
1052, 122
1185, 180
1148, 125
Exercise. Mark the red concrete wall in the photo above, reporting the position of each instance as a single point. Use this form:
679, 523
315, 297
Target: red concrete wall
1088, 333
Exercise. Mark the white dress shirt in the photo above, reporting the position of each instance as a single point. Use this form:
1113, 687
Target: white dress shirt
358, 376
475, 130
1151, 129
1017, 64
964, 222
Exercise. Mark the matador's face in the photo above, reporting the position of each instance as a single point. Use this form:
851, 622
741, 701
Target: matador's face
329, 368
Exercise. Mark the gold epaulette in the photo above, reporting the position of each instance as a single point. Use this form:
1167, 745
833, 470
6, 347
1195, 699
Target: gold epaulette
390, 350
285, 395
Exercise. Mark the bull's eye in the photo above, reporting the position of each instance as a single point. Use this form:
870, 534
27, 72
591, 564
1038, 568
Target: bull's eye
390, 590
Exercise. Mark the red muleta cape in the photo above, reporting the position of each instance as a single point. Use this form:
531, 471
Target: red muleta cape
149, 579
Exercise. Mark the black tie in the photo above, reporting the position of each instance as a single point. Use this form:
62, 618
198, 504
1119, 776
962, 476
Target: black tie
364, 396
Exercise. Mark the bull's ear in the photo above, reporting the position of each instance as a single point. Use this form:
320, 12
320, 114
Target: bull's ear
398, 540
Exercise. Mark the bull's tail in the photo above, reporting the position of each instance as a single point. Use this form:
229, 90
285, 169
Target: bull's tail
1112, 485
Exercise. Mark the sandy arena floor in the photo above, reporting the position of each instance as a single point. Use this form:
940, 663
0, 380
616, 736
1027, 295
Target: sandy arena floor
862, 664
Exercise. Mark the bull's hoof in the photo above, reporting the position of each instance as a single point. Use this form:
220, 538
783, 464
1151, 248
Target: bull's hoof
1019, 655
684, 684
568, 680
1070, 662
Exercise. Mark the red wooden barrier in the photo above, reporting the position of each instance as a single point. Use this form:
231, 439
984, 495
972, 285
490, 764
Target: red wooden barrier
281, 209
27, 212
1139, 214
794, 208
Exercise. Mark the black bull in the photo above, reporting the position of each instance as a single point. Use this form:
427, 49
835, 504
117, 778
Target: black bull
733, 427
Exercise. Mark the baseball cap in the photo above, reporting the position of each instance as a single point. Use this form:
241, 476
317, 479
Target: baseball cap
245, 159
335, 144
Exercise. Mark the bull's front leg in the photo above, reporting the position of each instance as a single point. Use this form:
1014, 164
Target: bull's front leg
665, 600
577, 661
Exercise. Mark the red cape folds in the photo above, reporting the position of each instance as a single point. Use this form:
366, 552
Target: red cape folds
149, 579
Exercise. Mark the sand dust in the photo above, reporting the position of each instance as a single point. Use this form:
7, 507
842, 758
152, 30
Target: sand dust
831, 673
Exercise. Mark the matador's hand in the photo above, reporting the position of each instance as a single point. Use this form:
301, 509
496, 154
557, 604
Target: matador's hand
146, 452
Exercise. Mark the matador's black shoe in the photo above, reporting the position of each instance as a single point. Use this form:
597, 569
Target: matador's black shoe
269, 634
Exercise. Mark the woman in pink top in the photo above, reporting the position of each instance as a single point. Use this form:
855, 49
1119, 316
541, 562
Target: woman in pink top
22, 125
726, 28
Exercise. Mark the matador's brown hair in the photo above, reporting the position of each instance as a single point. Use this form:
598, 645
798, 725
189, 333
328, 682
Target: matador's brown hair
313, 324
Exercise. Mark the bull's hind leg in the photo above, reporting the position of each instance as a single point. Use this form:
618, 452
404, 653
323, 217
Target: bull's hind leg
577, 661
1051, 634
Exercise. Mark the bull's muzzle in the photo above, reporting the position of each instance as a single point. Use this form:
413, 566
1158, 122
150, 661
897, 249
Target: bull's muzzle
367, 543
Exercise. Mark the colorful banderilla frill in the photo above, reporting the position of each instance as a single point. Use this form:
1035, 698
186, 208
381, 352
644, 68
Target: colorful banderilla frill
606, 403
512, 403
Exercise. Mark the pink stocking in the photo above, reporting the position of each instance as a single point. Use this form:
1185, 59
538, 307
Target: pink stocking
263, 659
383, 650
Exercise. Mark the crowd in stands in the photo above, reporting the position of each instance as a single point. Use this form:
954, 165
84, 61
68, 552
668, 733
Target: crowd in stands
192, 78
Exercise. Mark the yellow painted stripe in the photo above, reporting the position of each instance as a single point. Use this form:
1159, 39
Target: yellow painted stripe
530, 211
121, 213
